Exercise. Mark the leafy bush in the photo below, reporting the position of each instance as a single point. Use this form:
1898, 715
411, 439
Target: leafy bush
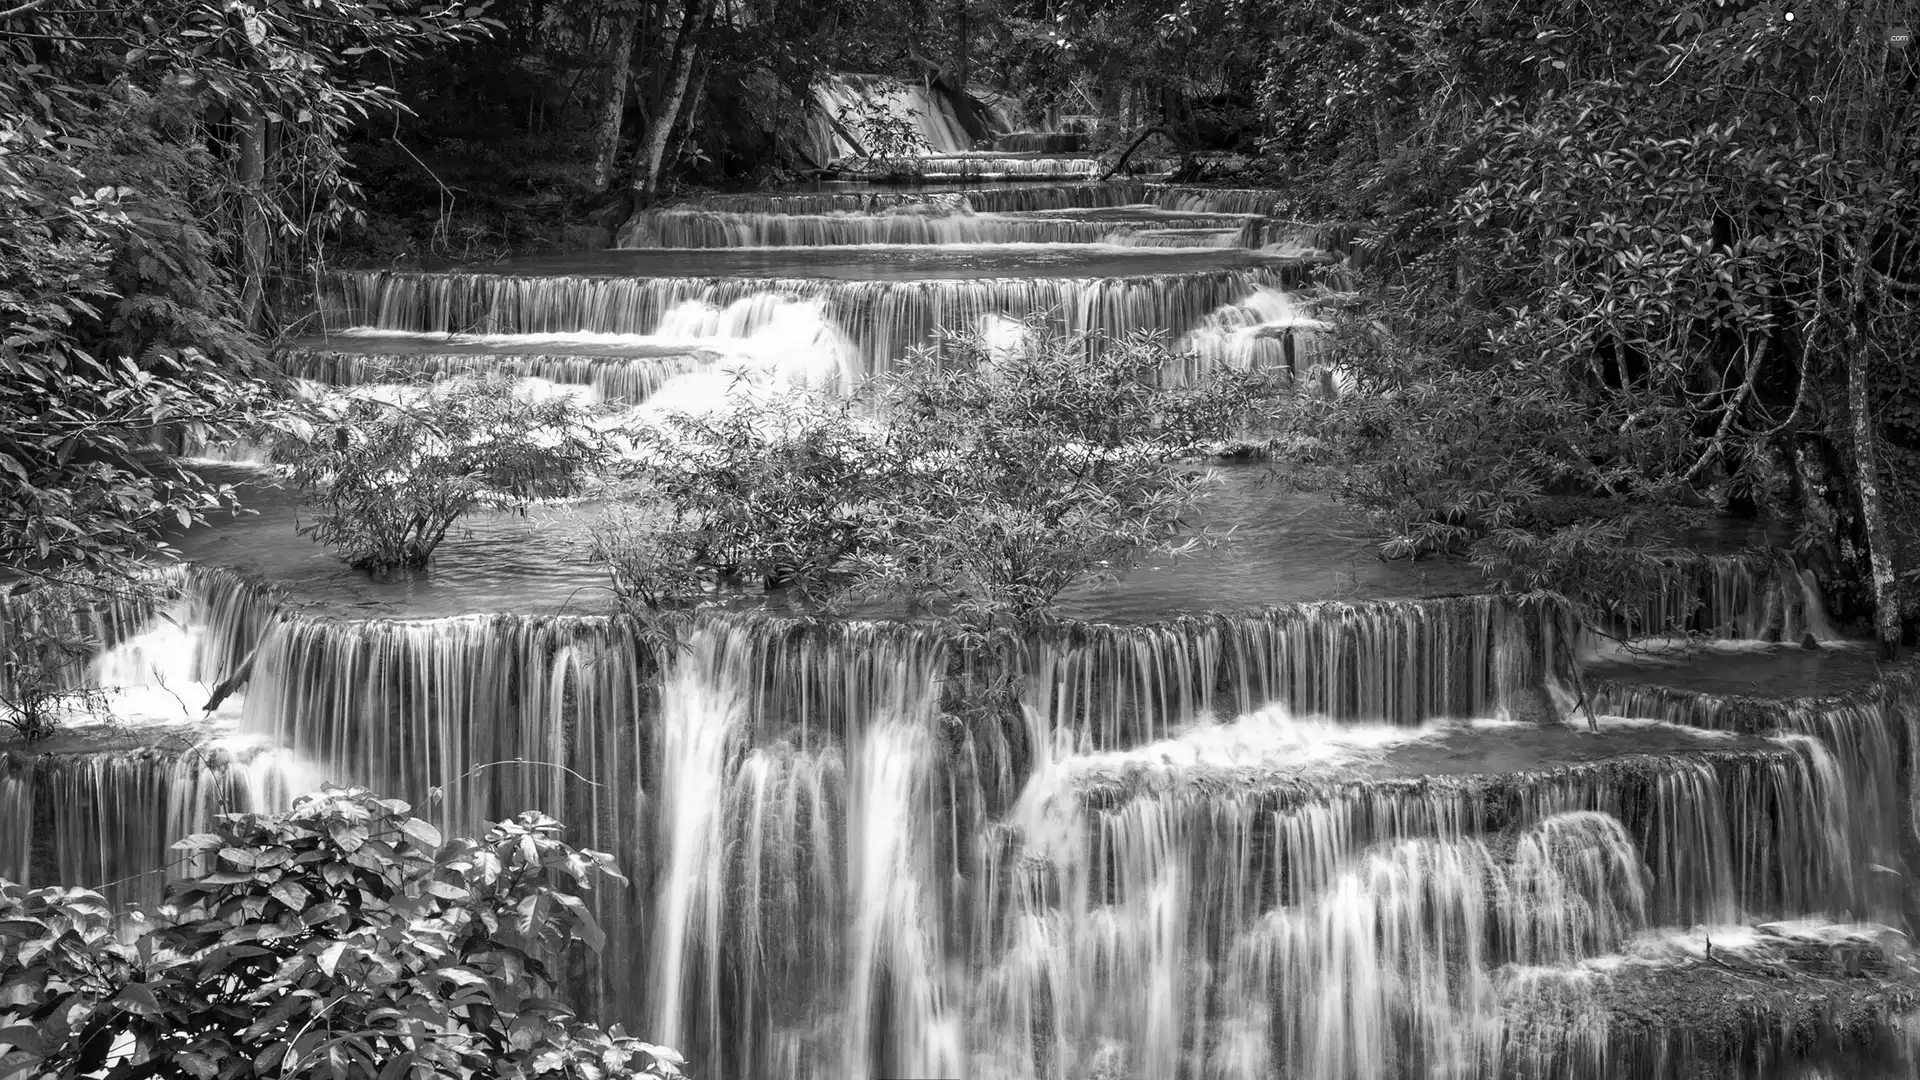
341, 938
983, 481
1019, 472
774, 495
390, 478
887, 138
46, 639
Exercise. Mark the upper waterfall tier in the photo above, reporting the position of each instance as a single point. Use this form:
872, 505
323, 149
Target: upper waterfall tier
1135, 210
1125, 226
883, 300
930, 112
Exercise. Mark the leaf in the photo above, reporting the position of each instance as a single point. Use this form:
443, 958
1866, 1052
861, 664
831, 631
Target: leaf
290, 893
330, 957
422, 833
349, 837
198, 1064
137, 998
398, 1066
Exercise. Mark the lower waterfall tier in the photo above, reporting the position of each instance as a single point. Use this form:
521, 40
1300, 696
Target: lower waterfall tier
1331, 841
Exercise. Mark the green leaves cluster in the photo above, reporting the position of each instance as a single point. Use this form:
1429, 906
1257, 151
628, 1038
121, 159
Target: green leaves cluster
342, 938
389, 478
981, 481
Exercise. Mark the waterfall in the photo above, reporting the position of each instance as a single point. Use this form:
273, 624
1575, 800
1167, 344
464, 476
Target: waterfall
1262, 201
931, 115
674, 228
1862, 739
1220, 847
894, 315
1400, 661
1749, 596
110, 817
628, 380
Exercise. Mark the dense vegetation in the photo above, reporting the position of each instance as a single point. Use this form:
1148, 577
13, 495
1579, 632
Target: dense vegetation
341, 938
979, 485
1622, 266
389, 478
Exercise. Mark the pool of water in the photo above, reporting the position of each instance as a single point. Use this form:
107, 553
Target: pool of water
1283, 547
1785, 669
892, 262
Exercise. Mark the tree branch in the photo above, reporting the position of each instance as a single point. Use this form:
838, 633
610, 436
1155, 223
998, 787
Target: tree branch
22, 9
1718, 445
1121, 163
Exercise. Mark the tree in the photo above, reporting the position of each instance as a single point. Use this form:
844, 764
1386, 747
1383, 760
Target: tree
774, 494
981, 480
341, 938
46, 639
274, 86
1026, 470
390, 478
1647, 255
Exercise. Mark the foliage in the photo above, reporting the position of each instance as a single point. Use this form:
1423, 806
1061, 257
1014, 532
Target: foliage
391, 477
126, 165
118, 328
886, 136
342, 938
1624, 262
981, 480
48, 632
1023, 470
262, 95
776, 494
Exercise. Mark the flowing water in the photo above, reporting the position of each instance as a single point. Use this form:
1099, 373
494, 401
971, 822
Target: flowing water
1283, 812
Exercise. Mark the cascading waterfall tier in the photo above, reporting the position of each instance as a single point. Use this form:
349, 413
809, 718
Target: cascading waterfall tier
860, 850
365, 360
893, 316
1871, 735
715, 229
999, 200
995, 166
107, 819
1755, 596
1365, 927
222, 613
932, 116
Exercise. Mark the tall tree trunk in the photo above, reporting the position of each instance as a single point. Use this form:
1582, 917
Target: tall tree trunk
646, 179
1873, 510
613, 93
252, 124
962, 52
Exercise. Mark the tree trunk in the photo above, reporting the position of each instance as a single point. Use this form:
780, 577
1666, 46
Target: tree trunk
646, 180
1873, 510
963, 53
613, 95
252, 126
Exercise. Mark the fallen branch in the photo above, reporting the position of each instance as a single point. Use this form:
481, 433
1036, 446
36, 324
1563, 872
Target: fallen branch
22, 9
1121, 162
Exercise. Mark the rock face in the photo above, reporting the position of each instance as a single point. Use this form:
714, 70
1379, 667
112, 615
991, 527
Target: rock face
1534, 704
